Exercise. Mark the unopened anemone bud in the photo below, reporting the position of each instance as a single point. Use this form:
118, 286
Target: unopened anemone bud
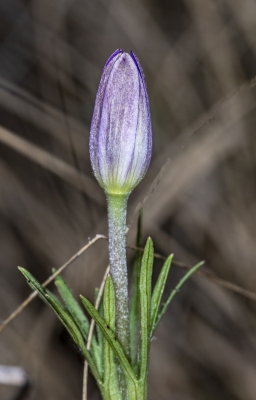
121, 134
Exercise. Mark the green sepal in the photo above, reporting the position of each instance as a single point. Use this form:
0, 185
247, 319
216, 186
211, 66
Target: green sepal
79, 317
111, 338
175, 291
135, 298
65, 318
158, 292
145, 306
110, 380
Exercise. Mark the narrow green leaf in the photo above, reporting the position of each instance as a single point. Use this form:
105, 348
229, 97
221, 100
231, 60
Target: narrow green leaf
111, 338
79, 317
110, 367
135, 299
100, 310
65, 318
109, 304
96, 294
54, 297
158, 292
145, 306
175, 290
72, 305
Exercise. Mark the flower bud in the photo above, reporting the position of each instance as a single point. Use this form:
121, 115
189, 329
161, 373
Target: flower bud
121, 134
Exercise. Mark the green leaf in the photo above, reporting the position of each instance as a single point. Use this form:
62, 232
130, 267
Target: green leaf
98, 330
79, 317
175, 290
145, 305
53, 296
111, 338
135, 298
72, 306
109, 304
158, 292
110, 381
65, 318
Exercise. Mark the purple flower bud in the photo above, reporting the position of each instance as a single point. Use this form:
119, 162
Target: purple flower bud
121, 134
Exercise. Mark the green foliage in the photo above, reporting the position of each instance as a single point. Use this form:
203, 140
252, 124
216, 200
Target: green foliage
72, 305
80, 319
107, 355
135, 299
99, 334
66, 319
110, 336
110, 379
145, 306
174, 292
158, 292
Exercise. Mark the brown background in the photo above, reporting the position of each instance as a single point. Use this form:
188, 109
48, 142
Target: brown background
199, 61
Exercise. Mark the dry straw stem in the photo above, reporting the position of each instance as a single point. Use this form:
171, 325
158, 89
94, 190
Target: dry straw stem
52, 164
173, 56
208, 275
49, 280
222, 133
92, 325
221, 282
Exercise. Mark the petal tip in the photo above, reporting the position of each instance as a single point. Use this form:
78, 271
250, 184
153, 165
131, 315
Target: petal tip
118, 51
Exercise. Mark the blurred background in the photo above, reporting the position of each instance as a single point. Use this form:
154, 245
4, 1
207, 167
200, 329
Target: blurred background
199, 195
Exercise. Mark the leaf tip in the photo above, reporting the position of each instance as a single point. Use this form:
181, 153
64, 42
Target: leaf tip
24, 272
149, 242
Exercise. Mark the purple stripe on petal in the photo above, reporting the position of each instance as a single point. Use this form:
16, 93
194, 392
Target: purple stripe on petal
118, 51
136, 61
120, 136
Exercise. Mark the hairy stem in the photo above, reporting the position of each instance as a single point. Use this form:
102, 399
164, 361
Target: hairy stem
118, 270
118, 266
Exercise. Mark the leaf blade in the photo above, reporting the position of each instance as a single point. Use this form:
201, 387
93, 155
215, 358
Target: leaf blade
135, 299
110, 380
72, 305
158, 292
99, 333
79, 317
145, 305
110, 336
175, 291
65, 318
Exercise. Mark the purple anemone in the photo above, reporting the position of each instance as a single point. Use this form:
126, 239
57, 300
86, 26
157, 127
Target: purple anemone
121, 134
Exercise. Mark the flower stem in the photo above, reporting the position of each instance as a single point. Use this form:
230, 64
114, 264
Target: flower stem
118, 265
118, 270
